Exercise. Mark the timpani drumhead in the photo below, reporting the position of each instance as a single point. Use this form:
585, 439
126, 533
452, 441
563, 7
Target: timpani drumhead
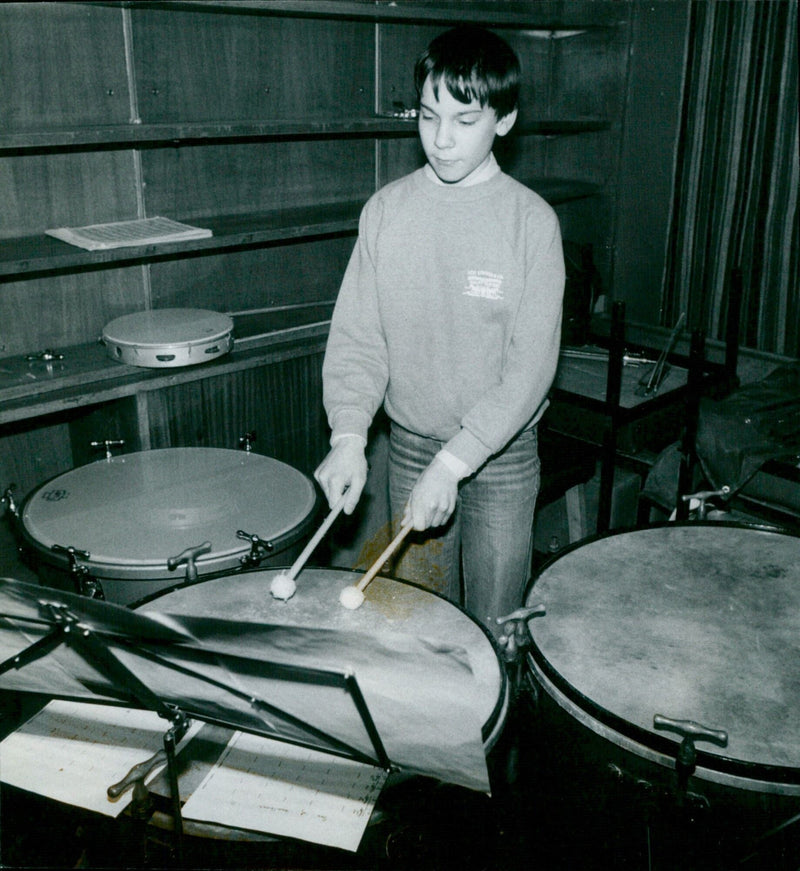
390, 607
695, 622
134, 512
163, 338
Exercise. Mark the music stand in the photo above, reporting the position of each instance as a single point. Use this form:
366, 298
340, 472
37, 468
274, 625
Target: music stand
91, 650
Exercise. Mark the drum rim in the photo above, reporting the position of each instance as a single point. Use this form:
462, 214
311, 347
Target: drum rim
122, 570
662, 744
503, 695
224, 327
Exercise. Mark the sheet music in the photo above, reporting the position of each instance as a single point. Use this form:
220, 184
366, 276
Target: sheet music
73, 751
123, 234
270, 786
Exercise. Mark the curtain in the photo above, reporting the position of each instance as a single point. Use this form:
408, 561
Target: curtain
737, 178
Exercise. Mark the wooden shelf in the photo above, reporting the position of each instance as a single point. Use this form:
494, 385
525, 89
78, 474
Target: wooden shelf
542, 15
88, 376
33, 255
29, 256
119, 136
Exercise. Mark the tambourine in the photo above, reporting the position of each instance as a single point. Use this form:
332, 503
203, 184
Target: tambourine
168, 337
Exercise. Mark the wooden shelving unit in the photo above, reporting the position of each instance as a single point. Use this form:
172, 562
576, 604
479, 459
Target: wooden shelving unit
269, 122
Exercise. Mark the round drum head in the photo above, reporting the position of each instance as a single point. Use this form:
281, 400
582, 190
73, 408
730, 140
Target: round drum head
693, 622
390, 608
168, 337
134, 512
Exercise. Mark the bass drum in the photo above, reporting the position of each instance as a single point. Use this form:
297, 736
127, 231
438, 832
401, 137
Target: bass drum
130, 520
676, 642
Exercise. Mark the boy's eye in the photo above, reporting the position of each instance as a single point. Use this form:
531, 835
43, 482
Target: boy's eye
465, 123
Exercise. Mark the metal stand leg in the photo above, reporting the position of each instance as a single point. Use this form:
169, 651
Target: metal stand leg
172, 776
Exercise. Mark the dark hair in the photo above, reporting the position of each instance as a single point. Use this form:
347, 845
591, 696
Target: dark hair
475, 64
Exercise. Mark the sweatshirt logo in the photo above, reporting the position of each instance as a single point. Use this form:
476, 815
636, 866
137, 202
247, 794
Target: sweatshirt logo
486, 285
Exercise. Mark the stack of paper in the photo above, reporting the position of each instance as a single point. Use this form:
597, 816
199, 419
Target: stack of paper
122, 234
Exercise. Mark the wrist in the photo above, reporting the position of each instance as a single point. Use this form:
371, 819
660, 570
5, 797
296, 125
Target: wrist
453, 464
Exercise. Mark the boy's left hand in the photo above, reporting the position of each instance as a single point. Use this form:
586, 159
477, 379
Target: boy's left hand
433, 498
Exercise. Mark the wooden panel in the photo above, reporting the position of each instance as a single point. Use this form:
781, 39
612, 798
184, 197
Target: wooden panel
39, 192
281, 402
256, 177
262, 278
589, 73
400, 46
31, 455
191, 66
111, 421
534, 50
65, 310
68, 62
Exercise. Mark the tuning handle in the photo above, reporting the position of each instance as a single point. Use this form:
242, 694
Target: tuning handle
690, 731
107, 444
139, 773
188, 557
246, 441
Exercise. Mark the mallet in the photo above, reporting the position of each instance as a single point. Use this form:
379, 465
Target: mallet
352, 597
283, 585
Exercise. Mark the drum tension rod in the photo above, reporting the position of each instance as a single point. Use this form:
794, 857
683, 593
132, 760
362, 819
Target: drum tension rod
188, 558
8, 500
702, 498
85, 584
106, 445
686, 758
259, 548
516, 636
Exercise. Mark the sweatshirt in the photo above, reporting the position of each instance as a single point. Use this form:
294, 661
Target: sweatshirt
449, 314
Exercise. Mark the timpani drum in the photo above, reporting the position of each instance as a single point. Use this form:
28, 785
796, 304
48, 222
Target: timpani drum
391, 607
144, 521
695, 623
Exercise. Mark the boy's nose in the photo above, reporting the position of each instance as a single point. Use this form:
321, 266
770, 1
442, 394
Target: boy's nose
444, 136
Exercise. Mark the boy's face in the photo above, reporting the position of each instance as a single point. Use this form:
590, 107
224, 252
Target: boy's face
457, 137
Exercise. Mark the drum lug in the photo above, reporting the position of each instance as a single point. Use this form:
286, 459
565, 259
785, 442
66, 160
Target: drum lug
660, 799
85, 584
259, 548
8, 501
91, 587
516, 637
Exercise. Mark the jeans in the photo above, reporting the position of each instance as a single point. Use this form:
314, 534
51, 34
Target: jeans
481, 558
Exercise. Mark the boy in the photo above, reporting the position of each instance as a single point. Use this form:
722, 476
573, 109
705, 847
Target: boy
450, 314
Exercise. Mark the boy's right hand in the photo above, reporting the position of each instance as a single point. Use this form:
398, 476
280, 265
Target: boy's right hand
345, 465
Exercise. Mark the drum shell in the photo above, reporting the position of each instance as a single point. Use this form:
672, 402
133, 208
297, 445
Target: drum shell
615, 773
169, 508
601, 796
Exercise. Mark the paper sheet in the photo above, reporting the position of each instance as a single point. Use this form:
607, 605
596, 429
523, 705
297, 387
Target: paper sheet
125, 234
72, 752
273, 787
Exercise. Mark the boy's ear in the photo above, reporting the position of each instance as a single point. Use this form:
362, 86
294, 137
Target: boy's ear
505, 123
